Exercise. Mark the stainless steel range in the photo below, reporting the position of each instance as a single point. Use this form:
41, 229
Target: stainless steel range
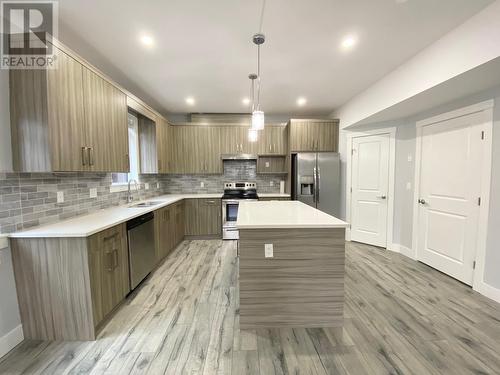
234, 192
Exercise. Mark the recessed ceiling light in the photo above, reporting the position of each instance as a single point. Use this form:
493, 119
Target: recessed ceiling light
348, 42
147, 40
301, 101
246, 101
190, 100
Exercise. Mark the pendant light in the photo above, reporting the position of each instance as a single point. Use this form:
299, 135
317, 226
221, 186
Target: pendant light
257, 113
253, 134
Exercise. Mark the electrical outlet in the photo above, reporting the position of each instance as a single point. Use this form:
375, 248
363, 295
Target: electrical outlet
267, 164
268, 250
60, 197
202, 184
146, 186
157, 185
93, 192
271, 183
408, 186
410, 157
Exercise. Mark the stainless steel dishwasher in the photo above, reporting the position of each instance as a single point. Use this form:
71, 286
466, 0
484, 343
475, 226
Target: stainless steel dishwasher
141, 247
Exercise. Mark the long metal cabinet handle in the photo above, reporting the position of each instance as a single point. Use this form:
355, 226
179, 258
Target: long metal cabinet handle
314, 184
318, 176
91, 155
110, 261
83, 155
115, 258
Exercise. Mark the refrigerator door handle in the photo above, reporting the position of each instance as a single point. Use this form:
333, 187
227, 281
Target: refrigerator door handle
314, 184
318, 182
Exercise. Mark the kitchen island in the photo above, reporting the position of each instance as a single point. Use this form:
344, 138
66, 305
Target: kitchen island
291, 266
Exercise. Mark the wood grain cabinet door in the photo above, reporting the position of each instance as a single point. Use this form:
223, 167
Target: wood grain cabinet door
209, 216
327, 135
105, 124
314, 135
109, 270
65, 115
179, 222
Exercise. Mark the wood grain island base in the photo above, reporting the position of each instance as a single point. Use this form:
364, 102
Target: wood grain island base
302, 285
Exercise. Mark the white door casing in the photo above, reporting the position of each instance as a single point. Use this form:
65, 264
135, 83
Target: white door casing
451, 155
370, 189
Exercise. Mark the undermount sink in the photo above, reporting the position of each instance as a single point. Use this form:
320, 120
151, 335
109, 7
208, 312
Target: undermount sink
145, 204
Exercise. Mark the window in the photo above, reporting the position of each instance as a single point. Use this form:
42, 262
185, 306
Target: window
133, 146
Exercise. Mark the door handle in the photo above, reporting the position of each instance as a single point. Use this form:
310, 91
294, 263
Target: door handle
382, 197
421, 201
318, 178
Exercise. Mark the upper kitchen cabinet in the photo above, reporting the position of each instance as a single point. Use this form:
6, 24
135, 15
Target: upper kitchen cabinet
67, 119
273, 140
314, 135
47, 117
196, 149
163, 145
235, 140
105, 109
149, 159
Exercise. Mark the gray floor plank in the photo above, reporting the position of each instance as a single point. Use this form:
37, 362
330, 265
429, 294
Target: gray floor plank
401, 317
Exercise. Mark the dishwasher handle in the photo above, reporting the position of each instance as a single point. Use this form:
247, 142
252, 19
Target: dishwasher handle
140, 220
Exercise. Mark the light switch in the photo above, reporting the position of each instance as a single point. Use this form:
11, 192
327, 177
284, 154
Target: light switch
267, 164
268, 250
60, 197
271, 183
146, 186
93, 192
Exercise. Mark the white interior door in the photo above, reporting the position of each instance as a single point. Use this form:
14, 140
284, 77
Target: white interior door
450, 186
369, 182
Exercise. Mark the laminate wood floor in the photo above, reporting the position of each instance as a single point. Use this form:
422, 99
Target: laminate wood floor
402, 317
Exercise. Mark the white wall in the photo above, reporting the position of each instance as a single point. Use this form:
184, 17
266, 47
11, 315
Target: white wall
5, 146
403, 199
470, 45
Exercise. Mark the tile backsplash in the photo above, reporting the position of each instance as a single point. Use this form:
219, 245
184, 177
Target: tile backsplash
234, 170
30, 199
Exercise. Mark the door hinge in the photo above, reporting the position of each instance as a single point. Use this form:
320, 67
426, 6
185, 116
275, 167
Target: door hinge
482, 134
479, 201
474, 265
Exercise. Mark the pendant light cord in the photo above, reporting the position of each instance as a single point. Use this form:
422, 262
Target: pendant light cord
258, 53
262, 15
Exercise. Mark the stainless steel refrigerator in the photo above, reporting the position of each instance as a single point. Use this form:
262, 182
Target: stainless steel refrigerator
316, 180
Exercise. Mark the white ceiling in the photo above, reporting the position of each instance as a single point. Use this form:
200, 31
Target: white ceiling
203, 48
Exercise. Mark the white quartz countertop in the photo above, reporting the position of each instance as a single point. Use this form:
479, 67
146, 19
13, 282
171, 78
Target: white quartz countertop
284, 214
87, 225
273, 195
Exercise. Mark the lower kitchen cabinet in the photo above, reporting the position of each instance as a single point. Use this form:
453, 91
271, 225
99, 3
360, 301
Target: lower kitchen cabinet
180, 230
203, 217
66, 287
165, 231
109, 270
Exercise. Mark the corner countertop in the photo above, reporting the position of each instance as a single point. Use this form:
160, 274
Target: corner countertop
87, 225
284, 214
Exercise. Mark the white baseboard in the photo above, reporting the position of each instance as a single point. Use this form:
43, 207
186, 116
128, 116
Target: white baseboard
489, 291
11, 340
406, 251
